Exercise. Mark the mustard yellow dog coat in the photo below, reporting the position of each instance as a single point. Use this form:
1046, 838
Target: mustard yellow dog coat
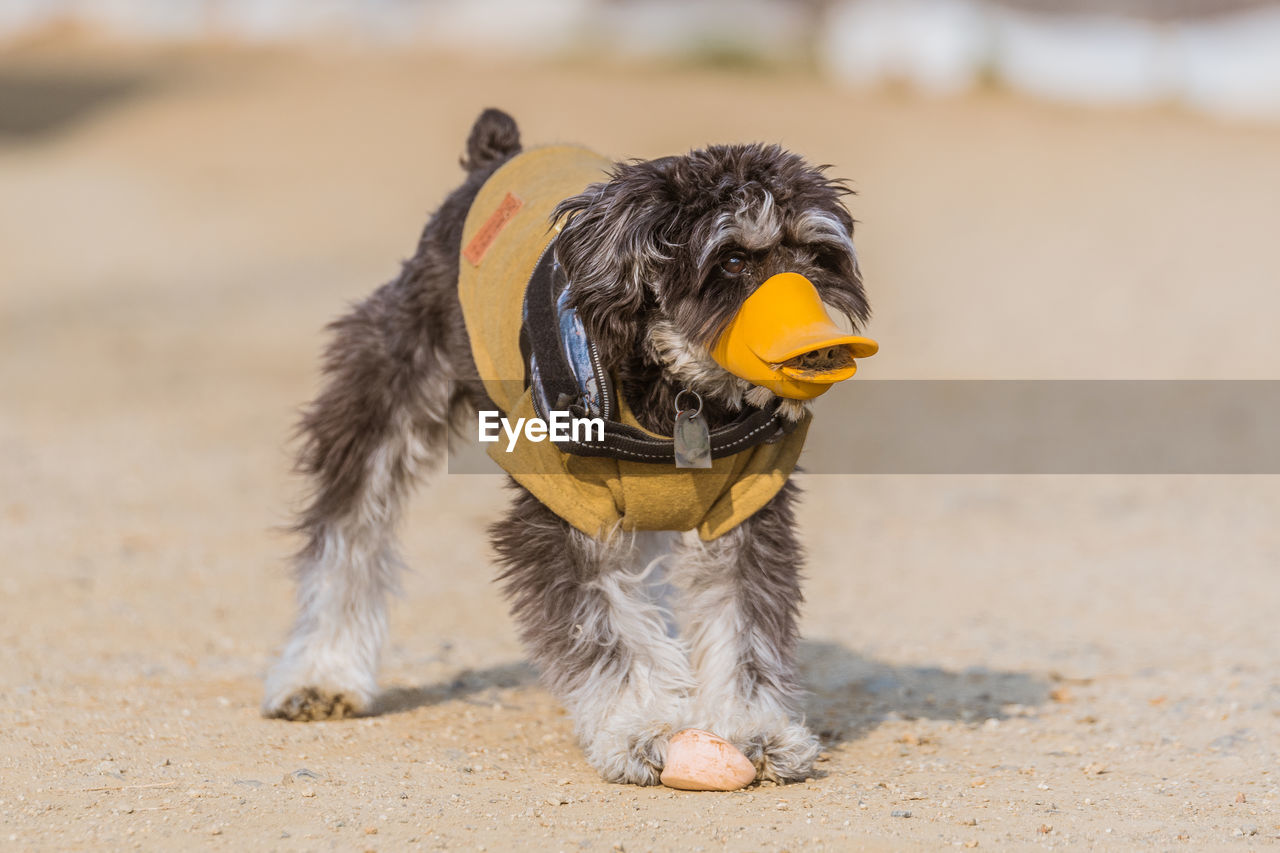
505, 235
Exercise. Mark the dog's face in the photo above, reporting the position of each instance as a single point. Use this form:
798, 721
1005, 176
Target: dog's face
661, 257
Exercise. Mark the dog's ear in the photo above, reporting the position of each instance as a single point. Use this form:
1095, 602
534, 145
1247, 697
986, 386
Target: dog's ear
610, 247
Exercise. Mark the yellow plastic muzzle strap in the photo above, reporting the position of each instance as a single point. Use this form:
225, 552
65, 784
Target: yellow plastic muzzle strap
783, 339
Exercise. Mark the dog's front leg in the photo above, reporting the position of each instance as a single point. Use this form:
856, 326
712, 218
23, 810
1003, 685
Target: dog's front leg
741, 597
590, 614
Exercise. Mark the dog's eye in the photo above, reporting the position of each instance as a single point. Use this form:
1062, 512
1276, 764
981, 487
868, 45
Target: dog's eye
733, 264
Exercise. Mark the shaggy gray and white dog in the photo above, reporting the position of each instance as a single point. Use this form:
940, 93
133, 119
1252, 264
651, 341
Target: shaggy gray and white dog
658, 258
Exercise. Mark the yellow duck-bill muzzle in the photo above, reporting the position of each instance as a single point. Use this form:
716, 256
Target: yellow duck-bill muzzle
783, 339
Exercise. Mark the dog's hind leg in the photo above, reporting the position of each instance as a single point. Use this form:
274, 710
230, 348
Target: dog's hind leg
381, 419
593, 623
741, 595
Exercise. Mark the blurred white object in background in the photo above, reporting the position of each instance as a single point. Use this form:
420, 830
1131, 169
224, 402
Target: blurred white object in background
713, 29
280, 20
1099, 59
21, 16
525, 27
147, 19
1222, 56
936, 45
529, 27
1231, 65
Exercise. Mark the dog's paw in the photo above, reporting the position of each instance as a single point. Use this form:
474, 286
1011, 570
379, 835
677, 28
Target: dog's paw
780, 754
305, 685
307, 704
630, 758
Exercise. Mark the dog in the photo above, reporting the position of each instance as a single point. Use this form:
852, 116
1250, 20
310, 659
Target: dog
657, 257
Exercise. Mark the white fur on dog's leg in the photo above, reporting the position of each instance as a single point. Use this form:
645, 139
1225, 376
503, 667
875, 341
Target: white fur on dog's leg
746, 692
328, 669
626, 710
781, 750
346, 575
761, 721
628, 751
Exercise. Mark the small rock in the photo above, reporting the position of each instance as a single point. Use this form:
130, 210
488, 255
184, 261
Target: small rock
371, 830
900, 813
1241, 798
969, 821
1045, 829
557, 800
971, 844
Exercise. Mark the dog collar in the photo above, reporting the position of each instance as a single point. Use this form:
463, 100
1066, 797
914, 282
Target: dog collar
564, 373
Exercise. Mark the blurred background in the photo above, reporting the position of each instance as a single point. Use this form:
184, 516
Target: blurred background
1047, 189
1217, 55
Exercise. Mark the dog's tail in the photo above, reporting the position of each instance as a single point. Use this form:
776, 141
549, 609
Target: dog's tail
494, 137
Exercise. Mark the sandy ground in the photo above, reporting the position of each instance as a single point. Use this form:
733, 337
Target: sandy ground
995, 661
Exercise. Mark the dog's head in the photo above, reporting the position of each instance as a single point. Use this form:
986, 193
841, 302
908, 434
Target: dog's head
662, 258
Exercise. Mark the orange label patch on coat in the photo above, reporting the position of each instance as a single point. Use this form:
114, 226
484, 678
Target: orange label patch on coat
479, 245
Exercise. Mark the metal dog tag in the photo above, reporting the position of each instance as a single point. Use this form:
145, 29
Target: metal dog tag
692, 440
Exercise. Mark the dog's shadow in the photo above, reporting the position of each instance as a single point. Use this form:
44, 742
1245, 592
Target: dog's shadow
464, 685
848, 694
